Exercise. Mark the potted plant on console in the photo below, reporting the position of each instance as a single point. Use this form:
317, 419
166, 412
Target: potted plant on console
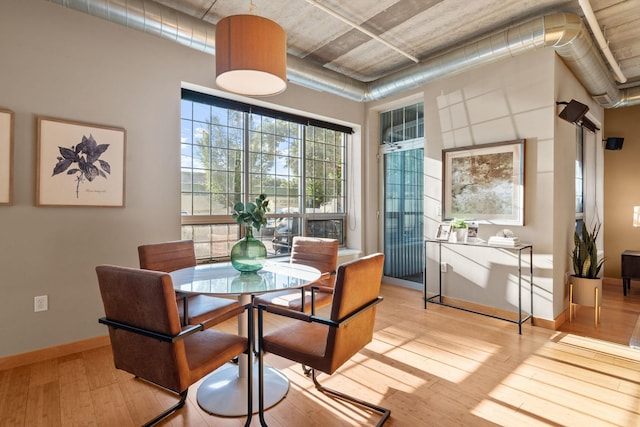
458, 230
585, 283
249, 254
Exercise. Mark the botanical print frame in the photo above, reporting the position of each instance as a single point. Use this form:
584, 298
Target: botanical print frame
6, 156
79, 164
484, 183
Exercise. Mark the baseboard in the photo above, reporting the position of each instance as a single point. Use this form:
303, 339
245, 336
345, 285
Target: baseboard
543, 323
558, 321
22, 359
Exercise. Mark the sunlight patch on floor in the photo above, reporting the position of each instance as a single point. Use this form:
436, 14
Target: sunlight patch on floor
448, 356
572, 378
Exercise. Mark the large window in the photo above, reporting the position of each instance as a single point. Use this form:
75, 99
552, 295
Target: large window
232, 152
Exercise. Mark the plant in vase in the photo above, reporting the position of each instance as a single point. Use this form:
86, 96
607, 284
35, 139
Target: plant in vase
249, 254
586, 286
459, 230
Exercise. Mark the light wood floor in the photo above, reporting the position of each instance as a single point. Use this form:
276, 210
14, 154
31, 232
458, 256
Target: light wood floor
439, 367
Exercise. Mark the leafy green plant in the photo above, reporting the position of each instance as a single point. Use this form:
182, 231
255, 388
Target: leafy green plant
85, 155
585, 253
458, 223
252, 214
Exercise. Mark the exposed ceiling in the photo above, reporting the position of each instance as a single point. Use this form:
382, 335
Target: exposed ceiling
421, 28
319, 33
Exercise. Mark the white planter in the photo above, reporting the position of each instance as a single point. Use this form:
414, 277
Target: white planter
458, 235
584, 291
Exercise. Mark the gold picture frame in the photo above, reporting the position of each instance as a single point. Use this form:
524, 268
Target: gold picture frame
79, 164
6, 156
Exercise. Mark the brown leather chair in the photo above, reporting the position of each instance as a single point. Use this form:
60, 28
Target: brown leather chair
325, 344
148, 340
314, 252
171, 256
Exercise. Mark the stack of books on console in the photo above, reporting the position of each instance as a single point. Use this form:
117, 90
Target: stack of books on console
504, 241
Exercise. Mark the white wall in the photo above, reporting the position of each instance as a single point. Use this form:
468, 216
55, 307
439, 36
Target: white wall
62, 63
508, 100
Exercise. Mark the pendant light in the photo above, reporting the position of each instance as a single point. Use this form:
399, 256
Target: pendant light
251, 55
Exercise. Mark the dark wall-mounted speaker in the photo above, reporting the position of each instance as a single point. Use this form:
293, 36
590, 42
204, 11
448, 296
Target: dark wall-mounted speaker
574, 111
613, 143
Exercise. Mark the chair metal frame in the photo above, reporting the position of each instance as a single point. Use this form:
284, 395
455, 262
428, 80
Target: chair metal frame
311, 372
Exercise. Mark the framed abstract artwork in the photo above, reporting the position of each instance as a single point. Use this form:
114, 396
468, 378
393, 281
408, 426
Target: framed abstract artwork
484, 183
79, 164
6, 156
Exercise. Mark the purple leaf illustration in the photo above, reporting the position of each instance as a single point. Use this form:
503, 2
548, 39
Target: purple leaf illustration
85, 154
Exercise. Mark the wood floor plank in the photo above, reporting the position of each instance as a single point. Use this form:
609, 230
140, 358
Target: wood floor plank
110, 407
76, 406
15, 396
43, 408
98, 364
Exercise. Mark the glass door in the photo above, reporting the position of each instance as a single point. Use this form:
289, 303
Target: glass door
403, 210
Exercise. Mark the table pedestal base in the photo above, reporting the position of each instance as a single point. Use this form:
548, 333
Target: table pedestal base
224, 393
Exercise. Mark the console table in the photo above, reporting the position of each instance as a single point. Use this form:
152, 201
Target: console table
437, 299
630, 269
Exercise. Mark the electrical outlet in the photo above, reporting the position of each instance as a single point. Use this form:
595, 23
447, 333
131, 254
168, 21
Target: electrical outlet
40, 303
443, 267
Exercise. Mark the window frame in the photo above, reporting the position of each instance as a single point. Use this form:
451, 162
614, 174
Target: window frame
303, 215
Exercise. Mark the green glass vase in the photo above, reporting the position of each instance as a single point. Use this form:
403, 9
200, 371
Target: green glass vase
248, 254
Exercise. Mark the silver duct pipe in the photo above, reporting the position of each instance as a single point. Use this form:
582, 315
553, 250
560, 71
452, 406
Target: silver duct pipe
564, 32
152, 18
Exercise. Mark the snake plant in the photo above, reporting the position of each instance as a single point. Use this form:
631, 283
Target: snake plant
585, 253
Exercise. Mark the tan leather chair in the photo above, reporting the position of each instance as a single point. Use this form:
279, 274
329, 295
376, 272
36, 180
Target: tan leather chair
171, 256
148, 340
325, 344
314, 252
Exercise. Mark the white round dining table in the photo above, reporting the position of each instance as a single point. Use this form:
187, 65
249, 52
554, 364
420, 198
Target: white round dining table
224, 391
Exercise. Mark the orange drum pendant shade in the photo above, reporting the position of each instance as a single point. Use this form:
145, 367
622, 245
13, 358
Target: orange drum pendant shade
251, 55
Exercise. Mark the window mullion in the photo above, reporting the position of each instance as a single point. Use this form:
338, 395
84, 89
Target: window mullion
245, 159
303, 182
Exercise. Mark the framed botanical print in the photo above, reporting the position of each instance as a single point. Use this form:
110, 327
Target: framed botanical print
79, 164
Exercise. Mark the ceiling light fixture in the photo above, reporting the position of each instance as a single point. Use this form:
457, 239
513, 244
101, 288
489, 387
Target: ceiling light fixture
251, 55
